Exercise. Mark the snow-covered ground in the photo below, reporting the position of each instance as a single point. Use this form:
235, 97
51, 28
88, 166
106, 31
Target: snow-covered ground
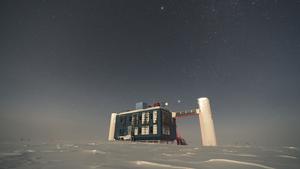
138, 155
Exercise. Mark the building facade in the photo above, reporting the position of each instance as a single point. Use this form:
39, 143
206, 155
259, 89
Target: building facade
156, 123
145, 124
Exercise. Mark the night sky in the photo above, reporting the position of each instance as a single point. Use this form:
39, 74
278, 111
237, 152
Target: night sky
66, 65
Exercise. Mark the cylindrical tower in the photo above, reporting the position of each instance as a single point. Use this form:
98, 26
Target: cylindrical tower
112, 127
206, 123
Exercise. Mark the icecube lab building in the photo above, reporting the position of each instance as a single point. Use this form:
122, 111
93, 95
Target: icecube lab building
157, 123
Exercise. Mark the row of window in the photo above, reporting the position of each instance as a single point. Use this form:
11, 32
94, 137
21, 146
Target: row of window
144, 119
145, 130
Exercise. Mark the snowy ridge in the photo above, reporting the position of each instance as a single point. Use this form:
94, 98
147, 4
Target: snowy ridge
159, 165
239, 162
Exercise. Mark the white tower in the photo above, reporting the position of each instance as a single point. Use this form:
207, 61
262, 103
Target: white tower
112, 127
206, 123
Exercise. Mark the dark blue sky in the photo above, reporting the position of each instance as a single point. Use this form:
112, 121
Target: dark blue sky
66, 65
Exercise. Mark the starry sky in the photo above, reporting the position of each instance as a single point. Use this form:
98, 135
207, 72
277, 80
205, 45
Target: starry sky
66, 65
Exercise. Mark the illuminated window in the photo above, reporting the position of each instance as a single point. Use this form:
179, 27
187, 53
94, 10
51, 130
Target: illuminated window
136, 131
145, 130
143, 118
155, 129
147, 117
154, 116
